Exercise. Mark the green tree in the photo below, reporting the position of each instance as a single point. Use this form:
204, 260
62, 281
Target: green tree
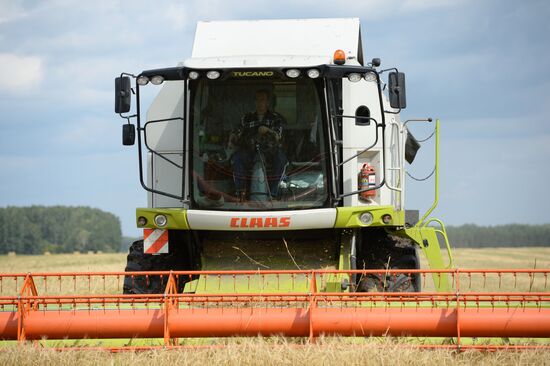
35, 229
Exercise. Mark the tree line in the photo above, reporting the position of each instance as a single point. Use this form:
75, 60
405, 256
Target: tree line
62, 229
58, 229
511, 235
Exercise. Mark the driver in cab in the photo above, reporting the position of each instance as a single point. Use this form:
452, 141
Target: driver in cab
259, 132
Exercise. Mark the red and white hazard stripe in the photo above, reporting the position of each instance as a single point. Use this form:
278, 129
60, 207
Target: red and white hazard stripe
155, 241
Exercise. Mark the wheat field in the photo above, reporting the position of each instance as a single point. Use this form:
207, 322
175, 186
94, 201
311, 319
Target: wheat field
275, 351
526, 257
261, 351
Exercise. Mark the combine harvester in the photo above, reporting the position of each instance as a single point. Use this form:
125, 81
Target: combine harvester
275, 175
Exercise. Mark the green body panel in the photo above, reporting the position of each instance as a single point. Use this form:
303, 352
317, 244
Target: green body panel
334, 281
228, 284
177, 217
426, 238
348, 217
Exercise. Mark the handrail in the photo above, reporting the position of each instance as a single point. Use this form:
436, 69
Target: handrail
436, 198
395, 129
443, 232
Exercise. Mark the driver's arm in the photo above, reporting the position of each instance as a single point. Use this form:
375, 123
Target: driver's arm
262, 130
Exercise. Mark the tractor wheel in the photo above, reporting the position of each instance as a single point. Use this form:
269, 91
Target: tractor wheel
139, 262
390, 282
388, 252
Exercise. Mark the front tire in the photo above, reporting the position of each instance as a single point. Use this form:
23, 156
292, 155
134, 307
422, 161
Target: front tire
179, 259
387, 252
137, 261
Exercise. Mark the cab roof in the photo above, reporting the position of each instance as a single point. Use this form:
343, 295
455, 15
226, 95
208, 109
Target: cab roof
272, 43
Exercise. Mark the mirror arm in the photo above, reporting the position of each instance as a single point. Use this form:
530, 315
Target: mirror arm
127, 117
127, 74
391, 112
391, 69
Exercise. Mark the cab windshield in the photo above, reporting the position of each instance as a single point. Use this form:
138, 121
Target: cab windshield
258, 144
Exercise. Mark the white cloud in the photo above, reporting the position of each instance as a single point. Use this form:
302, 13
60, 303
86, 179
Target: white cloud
10, 163
175, 13
427, 4
10, 10
87, 96
206, 10
89, 134
19, 73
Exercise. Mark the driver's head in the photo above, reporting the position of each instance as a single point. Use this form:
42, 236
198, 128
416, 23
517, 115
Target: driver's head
262, 101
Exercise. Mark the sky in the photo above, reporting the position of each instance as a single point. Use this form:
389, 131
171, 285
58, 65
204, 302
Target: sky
481, 67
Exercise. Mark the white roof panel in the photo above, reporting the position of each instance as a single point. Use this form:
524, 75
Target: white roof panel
304, 37
256, 61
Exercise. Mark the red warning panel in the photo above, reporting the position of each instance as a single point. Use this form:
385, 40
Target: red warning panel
155, 241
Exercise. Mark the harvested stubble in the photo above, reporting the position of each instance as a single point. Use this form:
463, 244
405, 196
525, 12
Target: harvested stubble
278, 351
340, 351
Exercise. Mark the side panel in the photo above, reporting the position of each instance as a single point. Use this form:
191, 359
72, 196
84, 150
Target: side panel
427, 240
165, 138
356, 137
166, 178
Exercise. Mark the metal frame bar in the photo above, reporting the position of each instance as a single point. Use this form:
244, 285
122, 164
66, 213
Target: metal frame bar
436, 174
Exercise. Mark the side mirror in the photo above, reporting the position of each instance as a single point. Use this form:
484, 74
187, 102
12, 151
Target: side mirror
128, 134
398, 98
123, 94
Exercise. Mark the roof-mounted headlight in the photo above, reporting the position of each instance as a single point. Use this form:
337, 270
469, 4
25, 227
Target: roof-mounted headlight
212, 75
313, 73
142, 80
370, 76
354, 77
293, 73
157, 80
193, 75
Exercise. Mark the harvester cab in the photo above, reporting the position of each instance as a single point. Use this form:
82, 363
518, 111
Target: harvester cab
276, 146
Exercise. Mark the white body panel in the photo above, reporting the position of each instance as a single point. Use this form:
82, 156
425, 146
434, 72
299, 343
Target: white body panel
304, 37
356, 138
165, 138
258, 61
166, 178
262, 220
